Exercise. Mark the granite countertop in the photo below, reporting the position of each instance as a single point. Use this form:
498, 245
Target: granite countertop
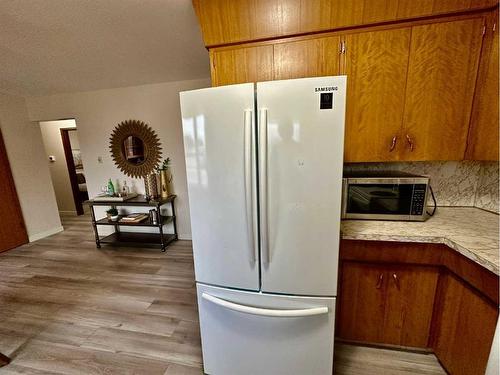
471, 231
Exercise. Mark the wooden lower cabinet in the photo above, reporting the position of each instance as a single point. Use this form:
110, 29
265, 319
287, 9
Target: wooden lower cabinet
463, 328
387, 304
414, 295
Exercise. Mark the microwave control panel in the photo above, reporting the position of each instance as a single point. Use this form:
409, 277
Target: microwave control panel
418, 201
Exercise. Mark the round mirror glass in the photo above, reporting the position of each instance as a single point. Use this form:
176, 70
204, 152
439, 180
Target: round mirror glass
133, 150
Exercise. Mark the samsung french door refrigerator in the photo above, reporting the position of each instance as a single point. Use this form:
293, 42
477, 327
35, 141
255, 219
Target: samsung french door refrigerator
264, 170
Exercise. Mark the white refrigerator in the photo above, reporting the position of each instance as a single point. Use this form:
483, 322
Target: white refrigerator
264, 169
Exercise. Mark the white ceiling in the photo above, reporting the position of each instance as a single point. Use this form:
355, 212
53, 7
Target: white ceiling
55, 46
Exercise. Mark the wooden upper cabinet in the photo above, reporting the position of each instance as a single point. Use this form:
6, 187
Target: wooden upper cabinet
484, 133
440, 88
240, 65
233, 21
307, 58
230, 21
376, 68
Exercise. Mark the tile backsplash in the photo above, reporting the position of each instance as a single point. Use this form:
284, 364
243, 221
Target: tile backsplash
455, 183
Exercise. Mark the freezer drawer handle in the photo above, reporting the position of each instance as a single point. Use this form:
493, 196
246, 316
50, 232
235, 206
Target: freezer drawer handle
265, 312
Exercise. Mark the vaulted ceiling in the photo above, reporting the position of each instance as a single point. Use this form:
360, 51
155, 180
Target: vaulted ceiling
56, 46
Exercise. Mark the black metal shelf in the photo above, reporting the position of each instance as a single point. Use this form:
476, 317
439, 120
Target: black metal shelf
138, 201
146, 223
134, 239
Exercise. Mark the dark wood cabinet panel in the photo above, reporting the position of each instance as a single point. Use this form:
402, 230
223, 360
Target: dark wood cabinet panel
12, 229
386, 304
464, 327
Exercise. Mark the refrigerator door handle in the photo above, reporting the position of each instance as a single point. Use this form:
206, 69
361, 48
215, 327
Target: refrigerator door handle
248, 171
264, 244
279, 313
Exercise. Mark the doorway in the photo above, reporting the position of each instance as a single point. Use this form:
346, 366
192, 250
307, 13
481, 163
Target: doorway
62, 146
71, 146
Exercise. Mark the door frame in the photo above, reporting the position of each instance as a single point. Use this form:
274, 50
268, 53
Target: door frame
70, 163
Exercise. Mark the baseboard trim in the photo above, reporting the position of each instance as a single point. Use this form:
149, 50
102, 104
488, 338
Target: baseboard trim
185, 237
50, 232
67, 212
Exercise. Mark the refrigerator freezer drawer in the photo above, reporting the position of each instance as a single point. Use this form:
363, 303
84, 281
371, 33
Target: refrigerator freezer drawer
254, 333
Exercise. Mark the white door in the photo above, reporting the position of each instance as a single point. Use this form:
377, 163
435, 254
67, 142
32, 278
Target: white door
301, 138
248, 333
218, 126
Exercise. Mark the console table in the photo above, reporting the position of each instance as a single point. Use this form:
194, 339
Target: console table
119, 238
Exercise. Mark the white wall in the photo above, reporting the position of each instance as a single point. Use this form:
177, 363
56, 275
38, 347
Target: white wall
23, 142
98, 112
52, 141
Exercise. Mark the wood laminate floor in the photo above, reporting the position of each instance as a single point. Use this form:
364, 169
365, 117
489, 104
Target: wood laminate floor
69, 308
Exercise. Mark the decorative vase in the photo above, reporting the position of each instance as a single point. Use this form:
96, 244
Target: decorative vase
150, 186
164, 183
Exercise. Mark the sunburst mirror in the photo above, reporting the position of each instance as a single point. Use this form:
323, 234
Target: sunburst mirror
135, 148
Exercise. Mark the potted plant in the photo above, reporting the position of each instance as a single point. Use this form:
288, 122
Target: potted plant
165, 178
112, 214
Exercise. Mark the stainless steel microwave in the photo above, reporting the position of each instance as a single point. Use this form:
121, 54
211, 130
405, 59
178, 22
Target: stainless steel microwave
385, 196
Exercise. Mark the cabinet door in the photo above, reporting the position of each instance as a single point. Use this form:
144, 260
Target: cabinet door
441, 79
387, 305
376, 68
241, 65
307, 58
484, 134
362, 302
409, 305
464, 329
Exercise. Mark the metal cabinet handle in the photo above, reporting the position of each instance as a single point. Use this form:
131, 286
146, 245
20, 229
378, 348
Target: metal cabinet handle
396, 280
393, 144
410, 142
265, 312
380, 281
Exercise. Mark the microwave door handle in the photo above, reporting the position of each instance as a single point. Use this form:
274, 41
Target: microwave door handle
247, 167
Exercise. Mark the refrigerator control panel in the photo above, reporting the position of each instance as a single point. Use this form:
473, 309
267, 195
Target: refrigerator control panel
326, 100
